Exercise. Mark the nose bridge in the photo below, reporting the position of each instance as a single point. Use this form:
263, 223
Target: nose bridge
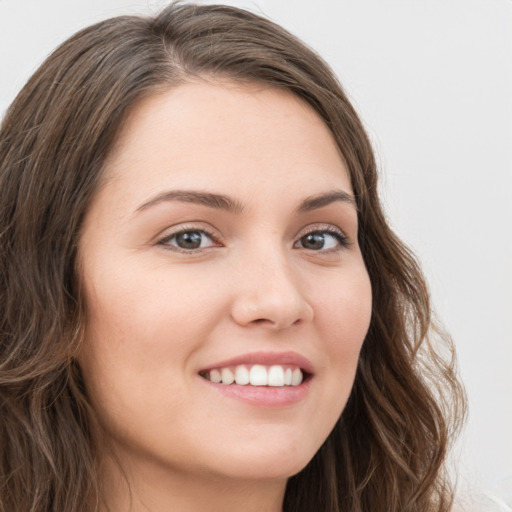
269, 290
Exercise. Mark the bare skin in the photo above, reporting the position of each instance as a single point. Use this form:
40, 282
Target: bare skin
225, 230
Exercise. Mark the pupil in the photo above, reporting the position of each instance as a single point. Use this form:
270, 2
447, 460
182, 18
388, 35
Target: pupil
189, 239
313, 241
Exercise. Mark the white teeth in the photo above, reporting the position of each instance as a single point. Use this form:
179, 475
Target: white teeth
296, 377
276, 376
215, 376
242, 375
258, 375
227, 376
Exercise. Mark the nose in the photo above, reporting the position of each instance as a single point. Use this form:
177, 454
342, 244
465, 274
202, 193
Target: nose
270, 294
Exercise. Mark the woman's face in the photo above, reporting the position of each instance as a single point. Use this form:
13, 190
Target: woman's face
222, 245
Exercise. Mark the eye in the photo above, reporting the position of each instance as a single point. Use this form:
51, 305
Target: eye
189, 240
322, 240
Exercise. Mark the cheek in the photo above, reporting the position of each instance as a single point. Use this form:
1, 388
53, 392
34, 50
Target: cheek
344, 310
141, 335
343, 317
145, 308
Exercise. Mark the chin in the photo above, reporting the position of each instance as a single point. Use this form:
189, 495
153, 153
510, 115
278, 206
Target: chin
264, 463
266, 471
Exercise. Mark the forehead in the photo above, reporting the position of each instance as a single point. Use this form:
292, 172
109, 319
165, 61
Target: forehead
220, 135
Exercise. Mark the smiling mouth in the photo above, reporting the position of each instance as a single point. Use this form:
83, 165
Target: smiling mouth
256, 375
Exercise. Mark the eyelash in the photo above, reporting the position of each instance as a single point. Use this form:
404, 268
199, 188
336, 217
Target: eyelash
338, 235
165, 241
316, 229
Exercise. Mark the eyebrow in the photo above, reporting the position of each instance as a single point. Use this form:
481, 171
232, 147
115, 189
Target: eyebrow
222, 202
217, 201
325, 199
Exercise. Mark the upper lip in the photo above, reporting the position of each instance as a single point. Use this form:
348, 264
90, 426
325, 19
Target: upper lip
267, 359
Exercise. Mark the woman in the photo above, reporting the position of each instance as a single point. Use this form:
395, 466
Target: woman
203, 307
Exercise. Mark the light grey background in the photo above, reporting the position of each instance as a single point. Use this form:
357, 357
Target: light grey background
432, 80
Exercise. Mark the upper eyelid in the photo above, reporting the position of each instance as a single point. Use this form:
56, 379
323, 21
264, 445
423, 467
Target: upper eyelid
319, 226
216, 237
183, 227
164, 241
343, 240
175, 233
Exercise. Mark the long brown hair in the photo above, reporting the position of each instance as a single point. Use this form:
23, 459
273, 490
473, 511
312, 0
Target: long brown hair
387, 450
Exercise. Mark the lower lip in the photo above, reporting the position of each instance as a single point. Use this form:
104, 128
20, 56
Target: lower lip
263, 396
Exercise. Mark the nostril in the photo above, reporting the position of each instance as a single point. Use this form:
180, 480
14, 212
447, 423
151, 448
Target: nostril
270, 310
265, 322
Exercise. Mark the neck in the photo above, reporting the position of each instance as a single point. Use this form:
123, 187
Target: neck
153, 488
